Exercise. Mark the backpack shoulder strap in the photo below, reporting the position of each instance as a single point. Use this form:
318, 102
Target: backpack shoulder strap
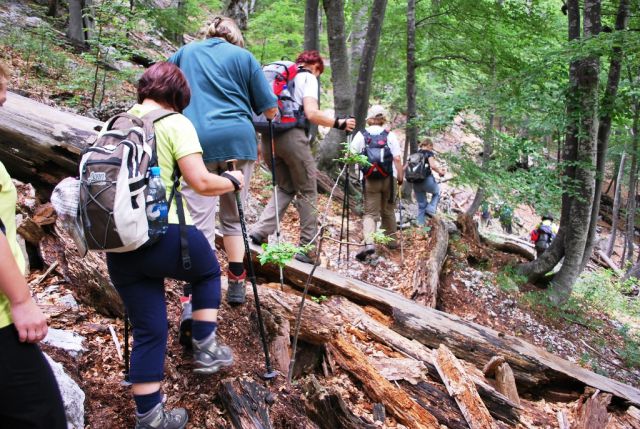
109, 125
152, 117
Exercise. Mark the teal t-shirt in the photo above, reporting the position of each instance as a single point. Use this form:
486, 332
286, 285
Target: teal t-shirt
227, 84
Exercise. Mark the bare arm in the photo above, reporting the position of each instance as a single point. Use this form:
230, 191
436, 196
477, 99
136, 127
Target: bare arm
433, 164
271, 112
316, 116
27, 316
397, 162
198, 177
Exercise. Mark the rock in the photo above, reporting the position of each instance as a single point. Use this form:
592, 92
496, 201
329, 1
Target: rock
72, 395
33, 21
68, 301
65, 340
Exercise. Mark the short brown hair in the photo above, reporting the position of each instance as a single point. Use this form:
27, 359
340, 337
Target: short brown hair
426, 142
226, 28
164, 83
5, 73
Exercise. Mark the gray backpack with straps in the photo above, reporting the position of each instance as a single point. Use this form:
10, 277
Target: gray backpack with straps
114, 173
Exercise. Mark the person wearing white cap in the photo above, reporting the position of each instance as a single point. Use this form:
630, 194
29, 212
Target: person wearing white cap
383, 152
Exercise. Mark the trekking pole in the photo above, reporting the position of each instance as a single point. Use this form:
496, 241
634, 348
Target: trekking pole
252, 277
275, 195
126, 349
401, 234
345, 203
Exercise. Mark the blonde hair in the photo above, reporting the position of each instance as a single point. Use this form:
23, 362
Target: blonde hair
225, 28
4, 72
427, 142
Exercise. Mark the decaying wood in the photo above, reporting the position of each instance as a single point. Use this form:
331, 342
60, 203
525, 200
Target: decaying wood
592, 413
463, 390
394, 369
508, 244
447, 411
499, 405
426, 277
30, 231
489, 369
245, 402
506, 382
87, 277
379, 413
563, 421
468, 227
39, 143
532, 366
397, 402
328, 410
602, 258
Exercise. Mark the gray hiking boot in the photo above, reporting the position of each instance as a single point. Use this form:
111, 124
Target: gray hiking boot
209, 355
367, 250
159, 418
308, 257
237, 289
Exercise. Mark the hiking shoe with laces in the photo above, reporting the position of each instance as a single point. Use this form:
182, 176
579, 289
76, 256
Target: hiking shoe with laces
237, 289
159, 418
367, 250
186, 322
209, 355
309, 257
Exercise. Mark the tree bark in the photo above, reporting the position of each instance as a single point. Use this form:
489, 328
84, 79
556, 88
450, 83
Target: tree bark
357, 37
342, 90
616, 206
239, 11
604, 126
76, 27
633, 181
411, 141
312, 25
584, 95
365, 74
426, 277
53, 8
245, 403
487, 150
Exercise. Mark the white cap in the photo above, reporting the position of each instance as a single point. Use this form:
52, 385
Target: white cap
377, 111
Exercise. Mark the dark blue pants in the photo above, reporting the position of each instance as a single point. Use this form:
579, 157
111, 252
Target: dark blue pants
29, 394
139, 279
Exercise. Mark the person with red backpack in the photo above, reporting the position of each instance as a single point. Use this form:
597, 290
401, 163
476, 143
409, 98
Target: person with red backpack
295, 167
383, 153
543, 234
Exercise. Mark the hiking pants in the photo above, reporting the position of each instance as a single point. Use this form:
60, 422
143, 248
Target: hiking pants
203, 208
296, 177
29, 394
377, 193
428, 185
139, 279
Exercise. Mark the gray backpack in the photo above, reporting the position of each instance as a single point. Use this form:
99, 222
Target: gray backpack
114, 172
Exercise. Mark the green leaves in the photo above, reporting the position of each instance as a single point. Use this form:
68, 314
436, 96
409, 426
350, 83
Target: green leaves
280, 254
351, 157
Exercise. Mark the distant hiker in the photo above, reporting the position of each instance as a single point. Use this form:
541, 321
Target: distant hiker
139, 275
504, 212
543, 234
419, 171
485, 213
228, 86
29, 393
295, 166
383, 153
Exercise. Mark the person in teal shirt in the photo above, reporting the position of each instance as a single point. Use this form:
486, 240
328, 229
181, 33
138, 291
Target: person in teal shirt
228, 86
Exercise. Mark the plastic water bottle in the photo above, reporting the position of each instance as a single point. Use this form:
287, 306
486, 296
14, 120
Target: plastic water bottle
157, 208
287, 104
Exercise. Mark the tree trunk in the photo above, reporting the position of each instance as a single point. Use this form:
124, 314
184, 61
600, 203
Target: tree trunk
239, 11
312, 25
53, 8
76, 27
487, 149
616, 206
426, 277
365, 74
604, 127
357, 37
584, 94
342, 91
633, 181
411, 141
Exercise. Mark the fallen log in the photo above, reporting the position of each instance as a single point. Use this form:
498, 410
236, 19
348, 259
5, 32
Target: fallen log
245, 402
533, 367
328, 410
426, 277
508, 244
396, 401
39, 143
460, 386
447, 413
592, 412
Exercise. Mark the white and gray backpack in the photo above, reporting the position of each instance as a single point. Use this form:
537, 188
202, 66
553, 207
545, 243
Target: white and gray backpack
114, 173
